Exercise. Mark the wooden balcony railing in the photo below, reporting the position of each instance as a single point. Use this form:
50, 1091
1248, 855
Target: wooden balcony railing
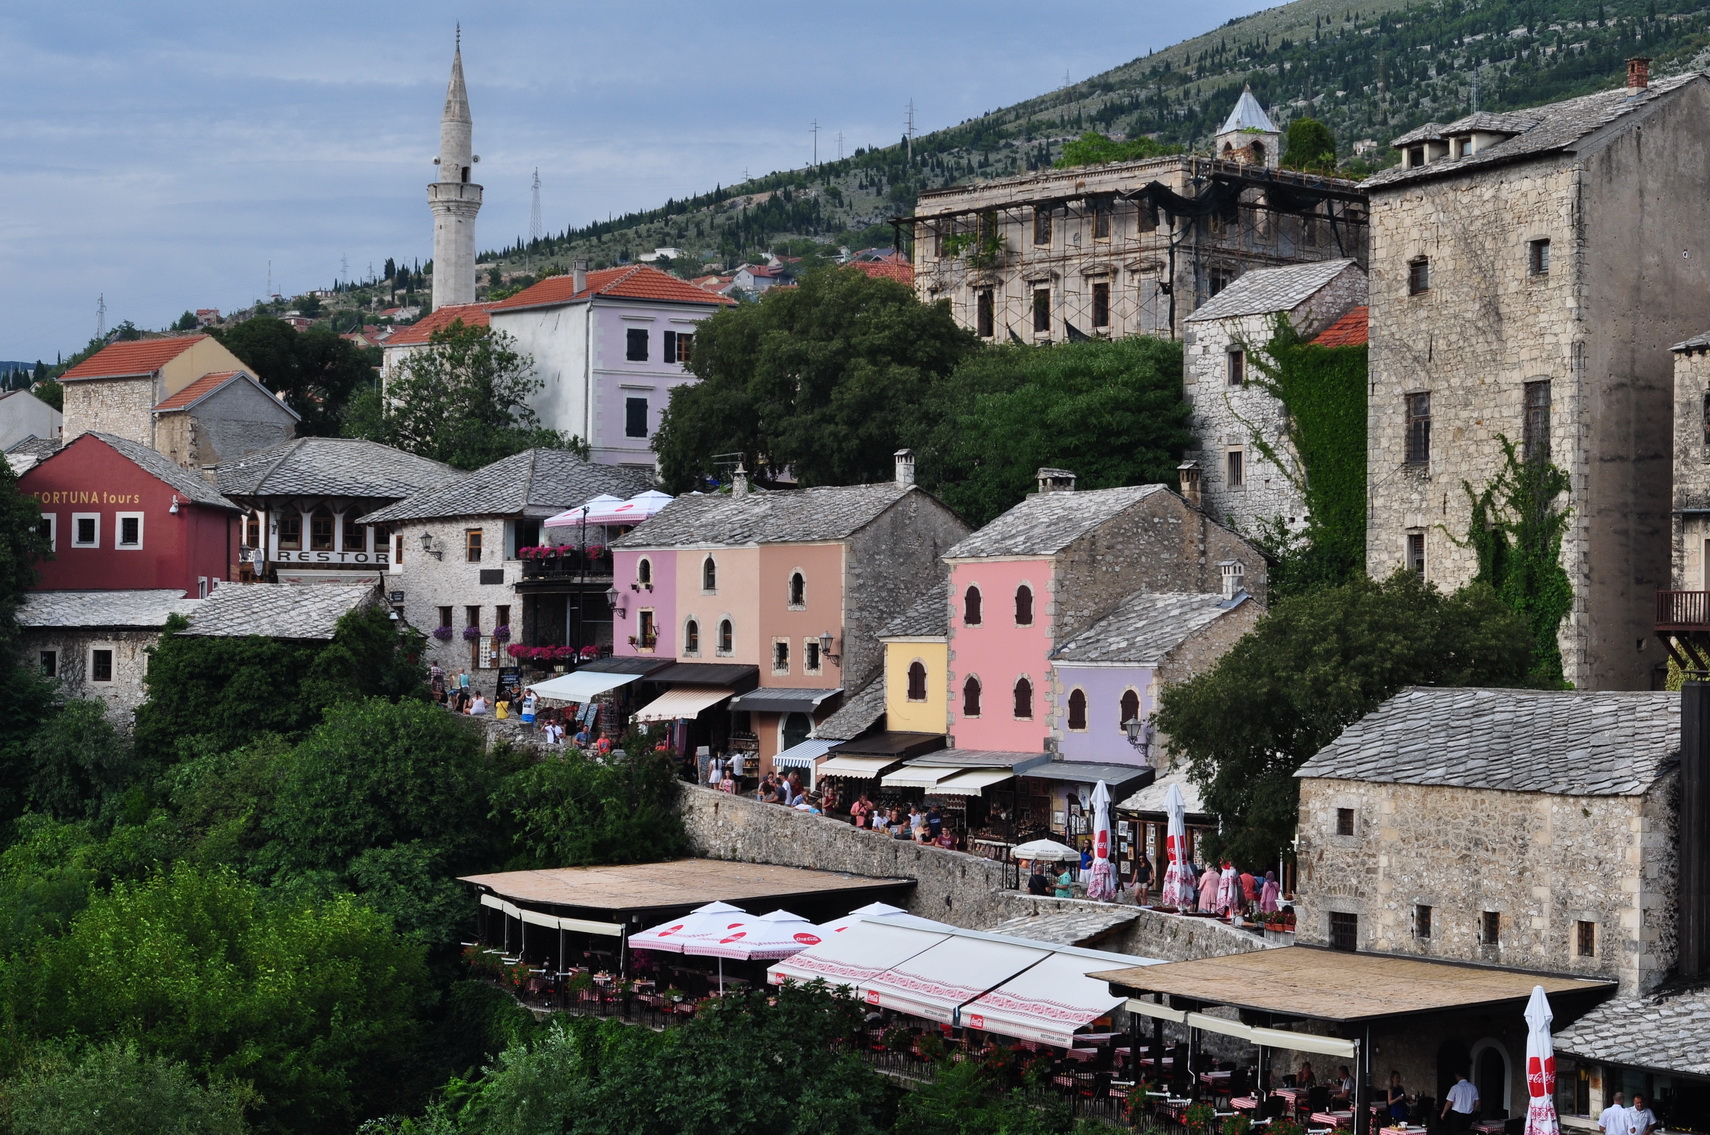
1683, 611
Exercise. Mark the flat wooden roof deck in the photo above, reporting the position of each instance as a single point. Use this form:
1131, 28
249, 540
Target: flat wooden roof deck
640, 888
1337, 985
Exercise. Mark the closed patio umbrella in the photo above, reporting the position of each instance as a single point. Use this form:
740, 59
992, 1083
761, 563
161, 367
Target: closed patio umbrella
1101, 883
1228, 890
1178, 884
1541, 1116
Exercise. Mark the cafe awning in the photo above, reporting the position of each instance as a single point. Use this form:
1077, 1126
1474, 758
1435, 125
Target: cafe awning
971, 783
684, 701
802, 755
1045, 1003
707, 674
784, 700
916, 776
580, 685
864, 767
897, 745
1121, 779
936, 982
858, 954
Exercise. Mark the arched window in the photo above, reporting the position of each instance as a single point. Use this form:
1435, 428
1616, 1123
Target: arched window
691, 635
1023, 698
644, 571
709, 575
321, 530
1077, 709
916, 682
726, 635
798, 590
1024, 606
1130, 708
971, 607
971, 698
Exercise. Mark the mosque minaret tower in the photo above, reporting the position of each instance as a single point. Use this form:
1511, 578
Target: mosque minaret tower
453, 198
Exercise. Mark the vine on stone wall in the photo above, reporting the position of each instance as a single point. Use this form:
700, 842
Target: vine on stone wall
1516, 531
1323, 393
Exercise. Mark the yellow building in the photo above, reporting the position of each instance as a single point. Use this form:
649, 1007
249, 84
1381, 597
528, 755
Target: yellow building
917, 658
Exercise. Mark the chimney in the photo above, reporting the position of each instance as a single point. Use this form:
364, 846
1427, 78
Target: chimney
1056, 481
1693, 828
739, 483
579, 273
905, 466
1188, 472
1234, 574
1638, 73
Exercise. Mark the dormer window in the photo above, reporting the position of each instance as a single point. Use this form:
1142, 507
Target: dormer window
1415, 156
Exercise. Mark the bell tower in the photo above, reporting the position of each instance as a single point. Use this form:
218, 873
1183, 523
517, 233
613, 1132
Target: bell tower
453, 197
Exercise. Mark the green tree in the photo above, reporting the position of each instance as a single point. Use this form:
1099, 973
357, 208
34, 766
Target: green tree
115, 1089
314, 1006
826, 378
1309, 146
462, 400
1110, 411
50, 392
185, 322
1095, 149
82, 763
574, 811
317, 372
1313, 666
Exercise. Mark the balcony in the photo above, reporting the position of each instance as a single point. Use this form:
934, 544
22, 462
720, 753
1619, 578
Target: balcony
1683, 624
568, 565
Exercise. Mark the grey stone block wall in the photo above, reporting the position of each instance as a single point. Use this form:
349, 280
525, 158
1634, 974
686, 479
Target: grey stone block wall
891, 561
1691, 566
451, 581
121, 406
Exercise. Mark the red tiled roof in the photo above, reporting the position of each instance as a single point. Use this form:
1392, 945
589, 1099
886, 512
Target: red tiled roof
1348, 331
207, 384
421, 331
636, 282
138, 356
886, 270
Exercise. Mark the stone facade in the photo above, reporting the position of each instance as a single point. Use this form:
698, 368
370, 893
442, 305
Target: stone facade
1542, 863
454, 581
73, 650
237, 419
119, 406
1691, 563
1463, 313
890, 562
1233, 415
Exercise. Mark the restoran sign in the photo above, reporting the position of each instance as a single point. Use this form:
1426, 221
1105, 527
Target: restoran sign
286, 557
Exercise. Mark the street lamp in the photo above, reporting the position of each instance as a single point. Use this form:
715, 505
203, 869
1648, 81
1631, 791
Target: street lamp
612, 597
428, 549
825, 641
1138, 737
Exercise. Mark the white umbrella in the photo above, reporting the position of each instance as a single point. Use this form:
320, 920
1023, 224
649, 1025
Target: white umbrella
1540, 1067
703, 924
779, 934
1101, 884
891, 915
632, 511
1048, 849
1178, 885
571, 517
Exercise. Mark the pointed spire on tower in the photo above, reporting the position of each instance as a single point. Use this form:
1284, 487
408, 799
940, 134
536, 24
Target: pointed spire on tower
456, 94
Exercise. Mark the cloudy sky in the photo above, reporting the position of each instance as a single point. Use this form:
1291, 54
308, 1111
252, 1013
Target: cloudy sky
163, 155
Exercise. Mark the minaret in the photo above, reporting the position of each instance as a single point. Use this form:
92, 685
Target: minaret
453, 198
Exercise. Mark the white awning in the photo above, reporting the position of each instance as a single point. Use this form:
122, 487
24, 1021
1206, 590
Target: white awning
1046, 1003
919, 776
536, 918
579, 685
865, 767
856, 955
1268, 1038
802, 755
937, 982
684, 701
970, 782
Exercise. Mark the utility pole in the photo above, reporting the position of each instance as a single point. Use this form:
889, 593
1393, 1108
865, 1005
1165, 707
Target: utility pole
815, 129
840, 145
910, 131
270, 281
1475, 89
101, 317
533, 224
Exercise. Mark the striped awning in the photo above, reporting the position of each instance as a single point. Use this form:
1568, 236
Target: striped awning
684, 702
802, 755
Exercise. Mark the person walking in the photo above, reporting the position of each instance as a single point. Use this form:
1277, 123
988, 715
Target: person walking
1613, 1120
1066, 883
1142, 879
1460, 1105
529, 705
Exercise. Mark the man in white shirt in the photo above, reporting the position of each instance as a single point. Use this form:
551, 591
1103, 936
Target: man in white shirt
1613, 1121
1462, 1102
1641, 1120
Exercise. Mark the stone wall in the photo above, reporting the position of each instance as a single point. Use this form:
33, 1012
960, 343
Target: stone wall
961, 889
121, 406
891, 561
1691, 567
1542, 863
72, 647
1201, 650
452, 581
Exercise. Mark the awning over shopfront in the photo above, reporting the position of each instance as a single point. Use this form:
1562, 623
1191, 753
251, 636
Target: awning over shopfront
932, 770
739, 678
970, 783
1018, 763
684, 701
802, 755
1119, 778
900, 746
784, 700
916, 776
580, 685
623, 664
1045, 1003
864, 767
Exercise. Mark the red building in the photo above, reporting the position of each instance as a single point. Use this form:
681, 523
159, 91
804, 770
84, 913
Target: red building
122, 517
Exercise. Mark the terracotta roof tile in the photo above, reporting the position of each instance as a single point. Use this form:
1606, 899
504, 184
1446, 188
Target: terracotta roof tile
421, 331
1348, 331
887, 270
638, 282
138, 356
205, 385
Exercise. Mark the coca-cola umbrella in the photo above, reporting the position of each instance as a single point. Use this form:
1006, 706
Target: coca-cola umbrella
1101, 881
1541, 1116
1179, 890
779, 934
703, 924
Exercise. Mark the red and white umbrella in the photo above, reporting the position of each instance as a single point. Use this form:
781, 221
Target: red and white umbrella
1540, 1067
871, 910
779, 934
1179, 890
704, 924
1101, 877
582, 513
1228, 890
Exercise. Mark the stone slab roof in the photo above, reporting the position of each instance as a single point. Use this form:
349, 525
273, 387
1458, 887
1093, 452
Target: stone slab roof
1148, 625
1046, 523
1247, 115
1151, 798
927, 617
1561, 743
1668, 1031
1539, 130
101, 609
536, 483
1071, 926
782, 516
308, 611
158, 465
333, 467
1696, 343
36, 447
859, 712
1265, 290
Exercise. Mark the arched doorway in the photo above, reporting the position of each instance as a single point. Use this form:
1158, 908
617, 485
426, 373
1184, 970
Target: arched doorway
1452, 1061
1490, 1077
796, 729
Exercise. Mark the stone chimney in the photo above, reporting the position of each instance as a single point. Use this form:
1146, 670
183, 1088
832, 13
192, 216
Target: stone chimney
1056, 481
905, 466
1638, 73
1234, 574
739, 482
1188, 472
579, 273
1692, 827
